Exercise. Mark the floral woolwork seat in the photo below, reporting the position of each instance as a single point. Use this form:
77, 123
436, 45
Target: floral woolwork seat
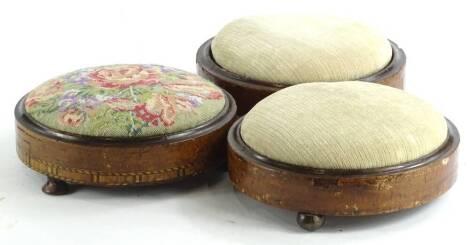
123, 125
124, 101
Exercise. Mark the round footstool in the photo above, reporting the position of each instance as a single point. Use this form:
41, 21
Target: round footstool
122, 125
342, 149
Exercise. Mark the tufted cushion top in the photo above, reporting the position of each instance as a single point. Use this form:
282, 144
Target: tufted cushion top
124, 101
288, 49
346, 125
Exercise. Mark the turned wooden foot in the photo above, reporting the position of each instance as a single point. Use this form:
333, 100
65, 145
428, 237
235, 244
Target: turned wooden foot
55, 187
310, 222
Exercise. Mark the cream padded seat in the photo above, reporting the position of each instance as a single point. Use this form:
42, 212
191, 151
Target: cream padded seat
346, 125
287, 49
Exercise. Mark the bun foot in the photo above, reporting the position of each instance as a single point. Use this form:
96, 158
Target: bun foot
310, 222
55, 187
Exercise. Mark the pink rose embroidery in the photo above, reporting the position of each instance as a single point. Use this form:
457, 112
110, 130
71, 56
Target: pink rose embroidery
159, 108
123, 76
165, 106
145, 115
194, 88
72, 117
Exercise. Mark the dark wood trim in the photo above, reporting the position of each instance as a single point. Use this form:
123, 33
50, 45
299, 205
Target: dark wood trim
342, 192
218, 121
238, 145
247, 92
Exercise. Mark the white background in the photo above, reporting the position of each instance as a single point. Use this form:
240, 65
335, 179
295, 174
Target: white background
42, 39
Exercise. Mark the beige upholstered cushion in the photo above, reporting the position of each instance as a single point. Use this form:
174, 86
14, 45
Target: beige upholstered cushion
344, 125
289, 49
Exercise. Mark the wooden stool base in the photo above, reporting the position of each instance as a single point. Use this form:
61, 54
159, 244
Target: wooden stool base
329, 192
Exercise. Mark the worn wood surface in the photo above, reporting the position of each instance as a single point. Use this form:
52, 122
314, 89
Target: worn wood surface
121, 162
342, 192
248, 92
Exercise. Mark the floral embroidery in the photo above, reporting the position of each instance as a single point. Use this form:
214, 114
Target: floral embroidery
43, 92
123, 76
125, 101
120, 104
72, 117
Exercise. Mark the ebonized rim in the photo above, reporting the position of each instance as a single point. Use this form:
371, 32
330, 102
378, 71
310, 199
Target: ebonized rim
222, 118
236, 143
207, 62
